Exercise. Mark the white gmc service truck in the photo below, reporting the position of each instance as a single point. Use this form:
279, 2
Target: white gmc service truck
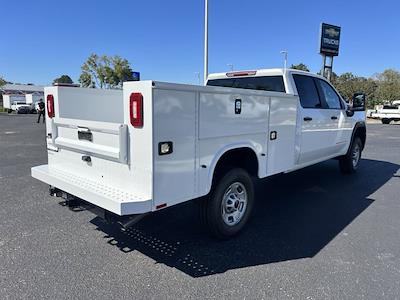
153, 145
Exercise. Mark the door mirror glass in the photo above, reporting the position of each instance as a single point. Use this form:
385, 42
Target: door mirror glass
358, 103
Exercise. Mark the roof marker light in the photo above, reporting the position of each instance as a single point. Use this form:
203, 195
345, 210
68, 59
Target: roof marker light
241, 73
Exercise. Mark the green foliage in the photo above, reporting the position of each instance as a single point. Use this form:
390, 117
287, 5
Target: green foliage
63, 79
388, 85
385, 87
301, 67
348, 84
105, 72
2, 81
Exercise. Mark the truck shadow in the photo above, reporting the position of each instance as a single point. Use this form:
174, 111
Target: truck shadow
296, 216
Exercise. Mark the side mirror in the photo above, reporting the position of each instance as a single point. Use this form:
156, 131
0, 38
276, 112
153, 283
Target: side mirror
358, 102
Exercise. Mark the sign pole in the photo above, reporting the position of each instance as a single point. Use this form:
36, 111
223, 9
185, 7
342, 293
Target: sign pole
323, 64
206, 42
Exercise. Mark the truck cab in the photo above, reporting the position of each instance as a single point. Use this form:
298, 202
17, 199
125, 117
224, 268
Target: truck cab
325, 122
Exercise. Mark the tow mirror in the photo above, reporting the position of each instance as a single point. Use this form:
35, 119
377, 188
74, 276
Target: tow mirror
358, 103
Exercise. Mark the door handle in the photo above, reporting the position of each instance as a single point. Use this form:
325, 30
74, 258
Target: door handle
333, 118
307, 119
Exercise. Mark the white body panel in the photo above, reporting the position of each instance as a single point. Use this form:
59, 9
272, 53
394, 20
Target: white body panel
32, 98
127, 174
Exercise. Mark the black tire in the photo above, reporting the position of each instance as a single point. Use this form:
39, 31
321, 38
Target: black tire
386, 121
347, 164
212, 208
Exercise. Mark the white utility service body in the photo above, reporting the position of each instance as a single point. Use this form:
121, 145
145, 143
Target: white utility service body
96, 154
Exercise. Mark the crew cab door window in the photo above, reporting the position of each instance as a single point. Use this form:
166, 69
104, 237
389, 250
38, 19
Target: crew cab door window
328, 93
307, 91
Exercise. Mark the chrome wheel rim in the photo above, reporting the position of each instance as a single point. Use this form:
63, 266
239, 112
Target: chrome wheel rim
355, 155
234, 204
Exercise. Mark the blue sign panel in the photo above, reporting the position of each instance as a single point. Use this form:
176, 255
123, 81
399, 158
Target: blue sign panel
135, 76
330, 39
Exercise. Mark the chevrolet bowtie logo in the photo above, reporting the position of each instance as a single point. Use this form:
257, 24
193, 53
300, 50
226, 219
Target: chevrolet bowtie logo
333, 33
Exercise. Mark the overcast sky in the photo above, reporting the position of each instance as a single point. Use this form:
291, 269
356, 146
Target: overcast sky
162, 39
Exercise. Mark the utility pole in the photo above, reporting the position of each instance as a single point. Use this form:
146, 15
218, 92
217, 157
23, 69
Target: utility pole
230, 66
197, 74
285, 55
205, 41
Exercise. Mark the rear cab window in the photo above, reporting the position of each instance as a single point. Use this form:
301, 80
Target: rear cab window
263, 83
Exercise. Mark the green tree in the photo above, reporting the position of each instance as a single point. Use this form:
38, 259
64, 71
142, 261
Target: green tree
2, 81
388, 86
105, 72
63, 79
301, 67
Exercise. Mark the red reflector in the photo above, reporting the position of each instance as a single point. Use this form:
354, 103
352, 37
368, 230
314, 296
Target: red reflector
241, 73
50, 106
161, 206
136, 109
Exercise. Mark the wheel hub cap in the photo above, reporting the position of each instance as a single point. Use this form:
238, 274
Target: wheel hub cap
356, 155
234, 204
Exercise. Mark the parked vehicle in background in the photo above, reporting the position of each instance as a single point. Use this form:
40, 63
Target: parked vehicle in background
26, 109
20, 107
32, 100
388, 113
34, 107
370, 113
8, 100
162, 143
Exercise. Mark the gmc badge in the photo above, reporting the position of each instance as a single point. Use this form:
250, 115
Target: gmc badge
238, 106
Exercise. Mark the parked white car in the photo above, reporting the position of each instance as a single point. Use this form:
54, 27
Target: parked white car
20, 107
162, 143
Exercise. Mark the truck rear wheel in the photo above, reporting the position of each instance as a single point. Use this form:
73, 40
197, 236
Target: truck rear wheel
349, 163
386, 121
228, 207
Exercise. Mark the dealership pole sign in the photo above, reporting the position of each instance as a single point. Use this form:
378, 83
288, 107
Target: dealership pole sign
330, 40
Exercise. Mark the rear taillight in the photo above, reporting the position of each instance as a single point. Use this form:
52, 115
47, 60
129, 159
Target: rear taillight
50, 106
136, 109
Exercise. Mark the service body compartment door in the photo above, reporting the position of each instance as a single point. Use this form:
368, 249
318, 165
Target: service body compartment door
174, 125
228, 120
282, 134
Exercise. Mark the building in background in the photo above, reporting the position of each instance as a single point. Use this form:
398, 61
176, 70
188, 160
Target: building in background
34, 91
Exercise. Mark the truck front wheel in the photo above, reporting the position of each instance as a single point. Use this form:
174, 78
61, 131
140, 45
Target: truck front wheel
228, 207
386, 121
349, 163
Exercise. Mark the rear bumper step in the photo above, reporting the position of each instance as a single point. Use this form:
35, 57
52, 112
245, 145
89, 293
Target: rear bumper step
75, 203
109, 198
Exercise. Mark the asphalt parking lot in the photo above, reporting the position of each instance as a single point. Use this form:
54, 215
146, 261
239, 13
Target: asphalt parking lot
315, 234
